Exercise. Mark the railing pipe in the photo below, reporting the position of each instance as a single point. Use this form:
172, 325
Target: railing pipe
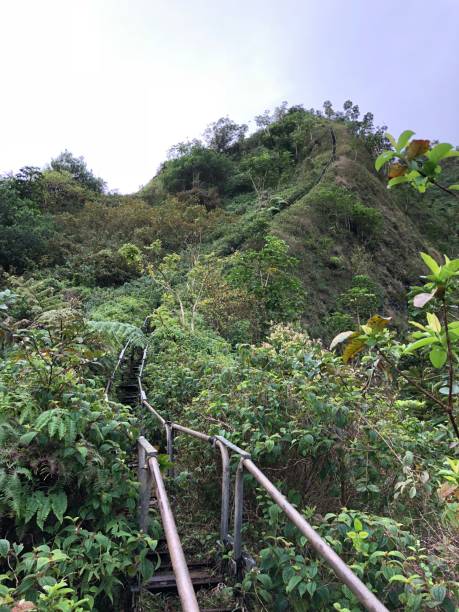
232, 446
182, 575
170, 445
238, 509
360, 590
224, 517
153, 411
191, 432
118, 363
145, 450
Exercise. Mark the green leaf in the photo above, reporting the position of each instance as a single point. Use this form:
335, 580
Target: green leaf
311, 588
4, 548
438, 593
398, 180
265, 580
59, 505
26, 438
414, 346
454, 187
41, 562
404, 139
43, 511
293, 582
358, 524
439, 151
383, 158
391, 139
430, 263
438, 356
398, 578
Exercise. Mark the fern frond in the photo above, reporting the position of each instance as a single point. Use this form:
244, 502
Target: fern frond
118, 333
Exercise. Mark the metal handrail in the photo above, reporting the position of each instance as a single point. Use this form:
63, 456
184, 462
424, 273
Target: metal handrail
150, 473
341, 569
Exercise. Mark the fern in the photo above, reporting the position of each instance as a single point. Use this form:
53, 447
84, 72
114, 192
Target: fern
118, 333
55, 421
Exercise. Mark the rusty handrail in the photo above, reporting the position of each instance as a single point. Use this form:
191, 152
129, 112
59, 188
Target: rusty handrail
341, 569
150, 473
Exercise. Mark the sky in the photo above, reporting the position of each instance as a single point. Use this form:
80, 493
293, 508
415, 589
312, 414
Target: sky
121, 81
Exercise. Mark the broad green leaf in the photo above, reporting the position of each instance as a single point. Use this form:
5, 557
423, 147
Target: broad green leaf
358, 524
439, 151
293, 582
438, 356
398, 180
403, 139
438, 593
26, 438
391, 139
311, 588
41, 562
430, 263
265, 580
383, 158
414, 346
454, 187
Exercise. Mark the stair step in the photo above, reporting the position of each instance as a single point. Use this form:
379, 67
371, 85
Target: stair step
163, 581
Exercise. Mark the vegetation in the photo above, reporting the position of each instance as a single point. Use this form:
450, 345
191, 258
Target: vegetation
247, 254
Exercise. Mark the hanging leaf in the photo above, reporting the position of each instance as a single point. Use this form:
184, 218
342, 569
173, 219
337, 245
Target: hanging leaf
434, 322
378, 323
422, 299
396, 170
340, 338
417, 148
353, 346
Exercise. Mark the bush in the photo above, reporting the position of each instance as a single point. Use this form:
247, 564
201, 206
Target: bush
342, 208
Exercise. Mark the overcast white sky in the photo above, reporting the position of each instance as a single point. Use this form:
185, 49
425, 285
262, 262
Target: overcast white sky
120, 81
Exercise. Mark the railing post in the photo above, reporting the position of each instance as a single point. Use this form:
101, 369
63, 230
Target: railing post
146, 481
224, 518
170, 445
238, 508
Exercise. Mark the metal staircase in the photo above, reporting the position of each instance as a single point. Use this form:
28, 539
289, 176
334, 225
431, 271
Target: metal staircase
175, 573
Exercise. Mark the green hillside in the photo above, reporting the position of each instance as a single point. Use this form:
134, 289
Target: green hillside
246, 253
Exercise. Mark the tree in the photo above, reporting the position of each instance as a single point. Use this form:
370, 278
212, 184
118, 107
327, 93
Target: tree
77, 168
24, 231
268, 276
199, 167
224, 134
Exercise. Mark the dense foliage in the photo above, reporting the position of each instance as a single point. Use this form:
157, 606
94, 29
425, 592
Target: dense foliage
246, 254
